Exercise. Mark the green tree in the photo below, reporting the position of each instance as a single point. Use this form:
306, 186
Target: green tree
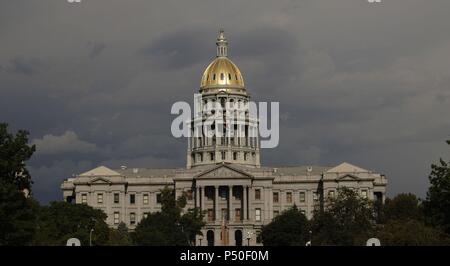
17, 216
437, 204
61, 220
119, 236
410, 232
17, 209
169, 227
290, 228
347, 219
14, 152
405, 206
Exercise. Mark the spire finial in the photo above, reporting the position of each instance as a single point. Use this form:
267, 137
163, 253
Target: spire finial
222, 44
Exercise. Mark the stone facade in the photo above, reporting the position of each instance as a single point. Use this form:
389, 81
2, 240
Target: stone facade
223, 176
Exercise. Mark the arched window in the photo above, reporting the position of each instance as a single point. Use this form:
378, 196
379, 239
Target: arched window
222, 77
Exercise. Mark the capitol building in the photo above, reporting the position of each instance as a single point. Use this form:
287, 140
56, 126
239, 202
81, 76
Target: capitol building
223, 175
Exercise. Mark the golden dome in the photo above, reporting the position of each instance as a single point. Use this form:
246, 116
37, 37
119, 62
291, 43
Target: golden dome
222, 71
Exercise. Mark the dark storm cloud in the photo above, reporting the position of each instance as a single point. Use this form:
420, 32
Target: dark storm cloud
95, 49
94, 82
178, 49
24, 65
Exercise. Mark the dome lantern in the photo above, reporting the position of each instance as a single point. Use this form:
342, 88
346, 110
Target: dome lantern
222, 44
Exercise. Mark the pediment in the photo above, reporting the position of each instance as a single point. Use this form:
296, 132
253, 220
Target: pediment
100, 180
347, 177
347, 168
223, 171
100, 171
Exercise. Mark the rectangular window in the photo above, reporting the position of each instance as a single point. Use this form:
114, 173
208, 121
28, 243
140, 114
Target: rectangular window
275, 197
84, 198
189, 195
315, 196
100, 198
224, 214
364, 193
209, 193
158, 198
302, 197
258, 215
257, 194
276, 213
132, 199
223, 193
116, 218
331, 193
223, 155
234, 155
210, 215
132, 218
145, 199
211, 156
237, 214
116, 197
289, 197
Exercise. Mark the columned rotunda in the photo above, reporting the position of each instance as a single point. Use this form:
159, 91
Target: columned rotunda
223, 176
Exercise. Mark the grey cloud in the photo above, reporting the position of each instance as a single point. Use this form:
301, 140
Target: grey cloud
178, 49
95, 49
65, 143
24, 65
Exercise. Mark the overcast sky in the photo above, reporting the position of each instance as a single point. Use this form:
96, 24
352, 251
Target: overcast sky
94, 82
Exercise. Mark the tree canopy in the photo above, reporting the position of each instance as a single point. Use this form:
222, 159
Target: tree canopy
290, 228
17, 210
169, 227
402, 207
14, 152
347, 219
61, 220
437, 204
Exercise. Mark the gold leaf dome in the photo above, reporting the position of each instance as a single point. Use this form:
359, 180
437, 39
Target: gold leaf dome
222, 72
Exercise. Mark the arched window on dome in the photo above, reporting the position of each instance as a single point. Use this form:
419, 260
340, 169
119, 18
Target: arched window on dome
214, 77
229, 76
222, 77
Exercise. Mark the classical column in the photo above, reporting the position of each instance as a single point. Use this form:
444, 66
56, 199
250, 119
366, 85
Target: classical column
216, 203
197, 197
201, 199
230, 202
245, 202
